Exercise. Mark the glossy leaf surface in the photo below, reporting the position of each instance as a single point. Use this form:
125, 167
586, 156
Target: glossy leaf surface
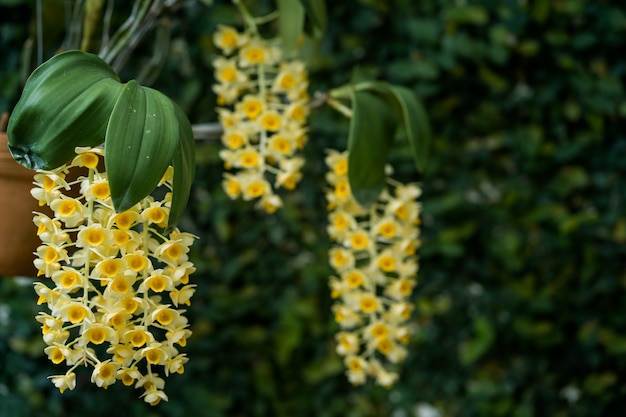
184, 167
411, 115
66, 102
415, 123
369, 141
141, 139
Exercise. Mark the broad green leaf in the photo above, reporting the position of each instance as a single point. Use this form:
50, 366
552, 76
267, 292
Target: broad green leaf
416, 124
370, 137
184, 167
141, 139
290, 23
66, 102
316, 12
410, 113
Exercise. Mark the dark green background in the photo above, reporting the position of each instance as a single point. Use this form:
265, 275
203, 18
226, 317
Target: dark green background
520, 306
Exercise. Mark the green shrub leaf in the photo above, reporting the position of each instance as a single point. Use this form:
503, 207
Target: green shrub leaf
477, 346
141, 139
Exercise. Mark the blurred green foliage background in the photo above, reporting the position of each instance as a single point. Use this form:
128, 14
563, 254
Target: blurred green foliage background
521, 302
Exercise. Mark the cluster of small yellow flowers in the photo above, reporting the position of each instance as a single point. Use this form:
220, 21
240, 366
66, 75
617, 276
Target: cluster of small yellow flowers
116, 281
374, 259
264, 108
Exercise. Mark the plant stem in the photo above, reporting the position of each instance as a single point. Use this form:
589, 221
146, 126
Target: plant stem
207, 130
74, 26
39, 33
340, 107
267, 18
125, 33
106, 22
248, 18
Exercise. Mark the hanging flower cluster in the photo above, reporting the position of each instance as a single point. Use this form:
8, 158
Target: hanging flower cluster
376, 269
116, 281
264, 110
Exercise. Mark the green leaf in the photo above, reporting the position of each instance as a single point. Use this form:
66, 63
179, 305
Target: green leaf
467, 14
184, 167
411, 114
477, 346
316, 12
141, 139
290, 23
416, 124
66, 103
370, 137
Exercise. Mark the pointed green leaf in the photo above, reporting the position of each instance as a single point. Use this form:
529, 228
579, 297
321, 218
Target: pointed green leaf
184, 168
316, 13
410, 113
66, 102
415, 123
370, 137
140, 142
290, 23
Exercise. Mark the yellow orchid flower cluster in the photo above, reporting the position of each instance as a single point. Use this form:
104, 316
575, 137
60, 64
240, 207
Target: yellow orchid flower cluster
116, 282
374, 259
264, 108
